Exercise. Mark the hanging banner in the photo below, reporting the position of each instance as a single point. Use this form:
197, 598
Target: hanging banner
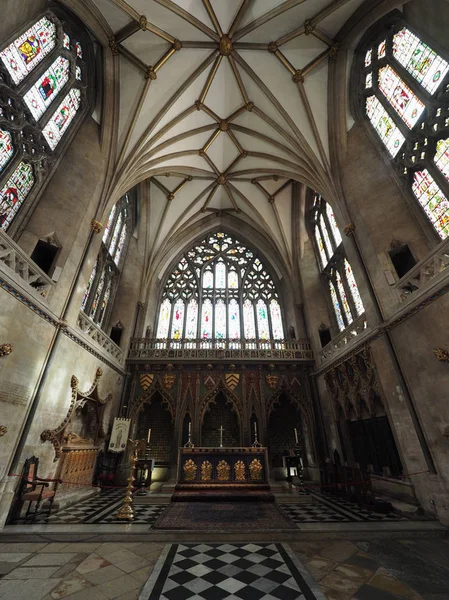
119, 435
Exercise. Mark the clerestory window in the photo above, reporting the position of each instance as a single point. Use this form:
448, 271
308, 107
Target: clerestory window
43, 89
337, 272
100, 291
220, 290
403, 86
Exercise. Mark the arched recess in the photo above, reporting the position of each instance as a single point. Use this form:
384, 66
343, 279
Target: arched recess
220, 391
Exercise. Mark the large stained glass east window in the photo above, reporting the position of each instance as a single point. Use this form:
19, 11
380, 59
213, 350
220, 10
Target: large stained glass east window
227, 294
403, 84
6, 148
47, 87
344, 294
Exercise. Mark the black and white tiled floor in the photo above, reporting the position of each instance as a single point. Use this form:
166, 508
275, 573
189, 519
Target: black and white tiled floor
313, 513
232, 571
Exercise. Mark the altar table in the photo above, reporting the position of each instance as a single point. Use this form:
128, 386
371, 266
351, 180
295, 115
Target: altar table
210, 467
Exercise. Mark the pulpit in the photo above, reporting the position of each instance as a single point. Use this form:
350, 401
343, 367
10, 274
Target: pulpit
223, 468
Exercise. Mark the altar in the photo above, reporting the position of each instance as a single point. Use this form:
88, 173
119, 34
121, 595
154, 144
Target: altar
245, 467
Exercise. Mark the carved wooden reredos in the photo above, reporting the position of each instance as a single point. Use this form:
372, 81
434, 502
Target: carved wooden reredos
82, 427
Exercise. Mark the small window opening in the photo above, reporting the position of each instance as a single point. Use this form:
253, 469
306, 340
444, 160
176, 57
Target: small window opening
325, 336
44, 255
116, 333
402, 259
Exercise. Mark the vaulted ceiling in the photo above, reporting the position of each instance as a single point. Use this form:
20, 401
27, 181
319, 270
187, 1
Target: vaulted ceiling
222, 104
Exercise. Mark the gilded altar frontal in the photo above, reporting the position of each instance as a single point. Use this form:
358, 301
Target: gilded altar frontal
224, 277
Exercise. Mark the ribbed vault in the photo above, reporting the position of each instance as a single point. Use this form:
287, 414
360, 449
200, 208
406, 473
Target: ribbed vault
222, 105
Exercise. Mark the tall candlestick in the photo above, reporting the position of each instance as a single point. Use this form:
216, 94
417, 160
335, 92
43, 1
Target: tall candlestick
190, 427
296, 435
149, 435
255, 428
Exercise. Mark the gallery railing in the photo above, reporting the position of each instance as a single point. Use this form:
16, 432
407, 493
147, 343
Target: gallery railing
347, 337
22, 269
148, 348
98, 335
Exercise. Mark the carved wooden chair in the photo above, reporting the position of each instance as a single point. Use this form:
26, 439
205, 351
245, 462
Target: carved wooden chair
34, 490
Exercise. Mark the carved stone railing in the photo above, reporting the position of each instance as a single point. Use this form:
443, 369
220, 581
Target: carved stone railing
98, 335
426, 273
348, 336
19, 266
197, 349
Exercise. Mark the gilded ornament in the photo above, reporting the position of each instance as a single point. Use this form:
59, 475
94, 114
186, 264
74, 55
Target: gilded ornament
225, 45
349, 229
206, 471
308, 27
298, 76
249, 106
5, 349
177, 45
74, 382
239, 469
3, 430
232, 380
255, 469
170, 197
189, 469
143, 22
221, 179
223, 471
146, 380
272, 381
151, 73
441, 354
334, 51
272, 47
113, 45
224, 125
168, 380
96, 226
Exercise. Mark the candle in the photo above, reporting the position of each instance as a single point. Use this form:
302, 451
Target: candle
255, 428
296, 435
190, 427
149, 435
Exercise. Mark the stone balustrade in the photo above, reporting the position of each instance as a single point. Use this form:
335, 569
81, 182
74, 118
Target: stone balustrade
346, 337
142, 349
98, 335
428, 272
19, 266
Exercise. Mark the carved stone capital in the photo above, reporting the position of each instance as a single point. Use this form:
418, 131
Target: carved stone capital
113, 45
143, 22
441, 354
3, 430
349, 229
5, 349
334, 51
96, 226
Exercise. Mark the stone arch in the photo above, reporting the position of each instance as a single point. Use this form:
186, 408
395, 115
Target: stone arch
231, 399
147, 397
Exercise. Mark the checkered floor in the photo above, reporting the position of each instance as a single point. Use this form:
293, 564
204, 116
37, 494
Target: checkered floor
313, 513
356, 512
231, 571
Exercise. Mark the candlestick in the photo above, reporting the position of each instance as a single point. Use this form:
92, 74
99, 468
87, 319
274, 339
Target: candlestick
255, 428
190, 427
149, 435
296, 435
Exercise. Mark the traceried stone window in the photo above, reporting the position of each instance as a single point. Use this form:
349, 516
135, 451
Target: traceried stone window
334, 266
220, 290
403, 92
100, 291
43, 87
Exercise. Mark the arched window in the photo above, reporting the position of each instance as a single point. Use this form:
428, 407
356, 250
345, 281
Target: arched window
403, 85
344, 293
220, 290
100, 291
43, 92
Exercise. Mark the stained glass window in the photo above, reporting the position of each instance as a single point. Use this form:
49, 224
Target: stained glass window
320, 245
360, 309
121, 244
326, 237
343, 298
206, 320
107, 229
276, 320
178, 320
115, 235
381, 49
336, 305
220, 320
192, 319
248, 320
402, 99
47, 87
164, 319
6, 148
29, 49
89, 286
432, 200
234, 319
97, 297
62, 117
221, 281
263, 327
442, 157
14, 193
105, 302
369, 80
78, 73
66, 41
368, 56
388, 131
333, 224
426, 66
79, 50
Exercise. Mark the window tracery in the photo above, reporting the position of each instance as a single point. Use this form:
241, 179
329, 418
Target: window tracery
43, 89
99, 295
225, 292
346, 301
403, 86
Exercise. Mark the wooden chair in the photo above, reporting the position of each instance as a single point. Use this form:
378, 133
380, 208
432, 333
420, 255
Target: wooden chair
34, 489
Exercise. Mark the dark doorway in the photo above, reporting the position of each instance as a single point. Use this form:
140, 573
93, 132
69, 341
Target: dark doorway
116, 334
284, 418
220, 414
44, 255
157, 417
402, 259
373, 444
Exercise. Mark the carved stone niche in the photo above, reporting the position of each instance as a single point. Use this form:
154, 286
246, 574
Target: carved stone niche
80, 436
